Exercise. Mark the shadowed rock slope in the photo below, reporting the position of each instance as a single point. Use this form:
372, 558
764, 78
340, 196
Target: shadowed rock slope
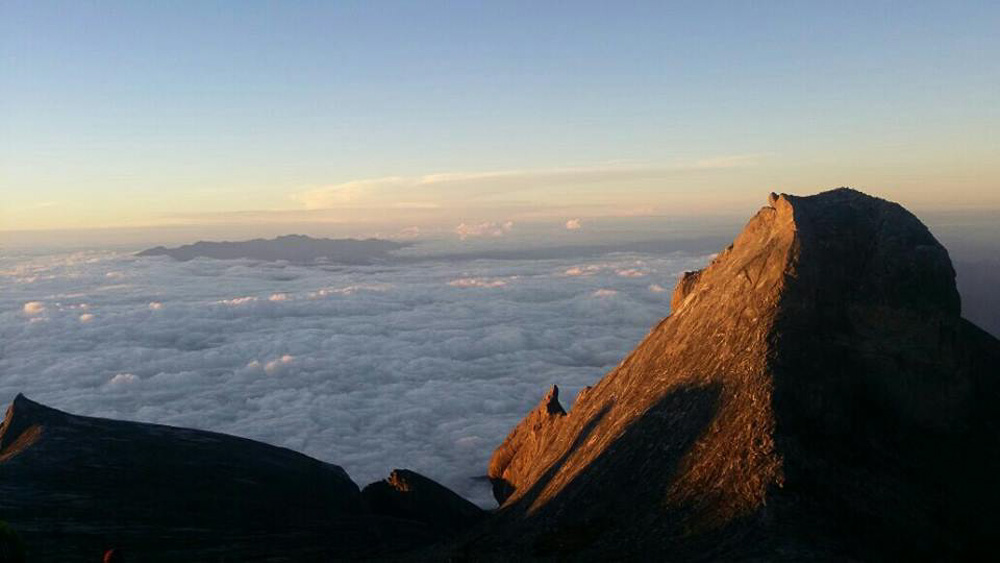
74, 486
408, 497
814, 394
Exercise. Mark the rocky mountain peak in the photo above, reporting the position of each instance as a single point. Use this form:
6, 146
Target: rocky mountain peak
800, 392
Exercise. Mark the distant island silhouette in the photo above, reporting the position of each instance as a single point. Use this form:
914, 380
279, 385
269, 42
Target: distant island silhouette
293, 248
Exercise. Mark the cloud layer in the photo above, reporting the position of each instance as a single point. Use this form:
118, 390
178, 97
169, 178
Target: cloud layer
425, 365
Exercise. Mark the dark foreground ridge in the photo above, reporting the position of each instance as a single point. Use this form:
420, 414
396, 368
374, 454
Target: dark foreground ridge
297, 249
73, 487
814, 395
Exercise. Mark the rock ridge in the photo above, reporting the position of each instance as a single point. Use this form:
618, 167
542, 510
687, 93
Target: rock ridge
799, 400
164, 493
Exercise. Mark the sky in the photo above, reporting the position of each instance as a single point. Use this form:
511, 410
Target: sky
424, 116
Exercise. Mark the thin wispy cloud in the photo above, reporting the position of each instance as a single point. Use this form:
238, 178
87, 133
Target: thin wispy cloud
486, 229
433, 202
436, 202
430, 191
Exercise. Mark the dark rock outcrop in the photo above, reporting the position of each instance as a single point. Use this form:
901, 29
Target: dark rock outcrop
292, 248
72, 486
408, 498
684, 286
814, 394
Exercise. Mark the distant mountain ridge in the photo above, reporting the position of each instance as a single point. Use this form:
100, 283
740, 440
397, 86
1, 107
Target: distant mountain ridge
291, 248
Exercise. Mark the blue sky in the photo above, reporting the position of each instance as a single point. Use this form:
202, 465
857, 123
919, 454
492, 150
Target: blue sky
398, 114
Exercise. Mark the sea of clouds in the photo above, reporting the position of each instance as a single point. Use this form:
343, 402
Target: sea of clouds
424, 365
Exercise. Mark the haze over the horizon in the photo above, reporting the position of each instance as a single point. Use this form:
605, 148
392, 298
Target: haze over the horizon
406, 118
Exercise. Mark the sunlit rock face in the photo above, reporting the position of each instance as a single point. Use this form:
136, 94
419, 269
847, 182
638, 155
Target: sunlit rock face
530, 438
814, 393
